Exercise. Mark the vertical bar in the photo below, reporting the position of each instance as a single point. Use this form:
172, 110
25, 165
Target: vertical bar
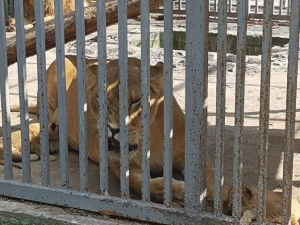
42, 81
289, 7
22, 80
82, 104
264, 109
242, 7
290, 111
220, 107
145, 53
280, 7
168, 100
6, 9
216, 9
123, 62
256, 6
102, 79
11, 8
61, 89
196, 105
230, 5
5, 103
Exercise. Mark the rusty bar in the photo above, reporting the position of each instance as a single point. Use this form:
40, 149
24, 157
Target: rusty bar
6, 15
82, 103
215, 2
264, 109
102, 87
61, 90
242, 7
42, 81
23, 99
196, 105
145, 61
124, 117
289, 7
290, 111
256, 7
220, 104
5, 103
168, 100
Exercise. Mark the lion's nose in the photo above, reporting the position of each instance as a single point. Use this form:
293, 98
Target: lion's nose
113, 131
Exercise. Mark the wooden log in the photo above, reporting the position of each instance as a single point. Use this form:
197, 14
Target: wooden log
90, 17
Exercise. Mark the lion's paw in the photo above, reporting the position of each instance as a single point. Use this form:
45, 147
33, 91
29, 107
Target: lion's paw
178, 193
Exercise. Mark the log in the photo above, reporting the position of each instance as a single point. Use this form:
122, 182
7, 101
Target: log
90, 17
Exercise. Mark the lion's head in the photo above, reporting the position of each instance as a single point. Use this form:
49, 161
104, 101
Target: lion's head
134, 102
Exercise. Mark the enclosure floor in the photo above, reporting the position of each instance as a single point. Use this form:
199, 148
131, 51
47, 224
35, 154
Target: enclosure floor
251, 131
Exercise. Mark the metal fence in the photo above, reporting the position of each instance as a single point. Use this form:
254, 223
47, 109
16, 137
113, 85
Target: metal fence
196, 114
281, 8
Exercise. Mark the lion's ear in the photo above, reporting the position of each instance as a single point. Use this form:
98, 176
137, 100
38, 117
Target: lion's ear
157, 70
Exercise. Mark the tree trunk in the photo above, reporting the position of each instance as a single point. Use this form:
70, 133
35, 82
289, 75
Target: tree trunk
90, 17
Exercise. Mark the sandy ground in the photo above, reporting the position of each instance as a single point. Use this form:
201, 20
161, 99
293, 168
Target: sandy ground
251, 131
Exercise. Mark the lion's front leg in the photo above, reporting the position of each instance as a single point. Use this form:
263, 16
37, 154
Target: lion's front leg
156, 185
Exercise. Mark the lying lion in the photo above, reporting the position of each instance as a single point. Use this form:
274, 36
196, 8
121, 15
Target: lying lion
29, 13
135, 127
34, 141
249, 204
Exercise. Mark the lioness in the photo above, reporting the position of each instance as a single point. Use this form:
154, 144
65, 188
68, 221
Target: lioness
29, 14
135, 127
34, 141
52, 96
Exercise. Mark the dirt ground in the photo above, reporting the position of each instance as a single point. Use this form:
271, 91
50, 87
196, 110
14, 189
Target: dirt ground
251, 132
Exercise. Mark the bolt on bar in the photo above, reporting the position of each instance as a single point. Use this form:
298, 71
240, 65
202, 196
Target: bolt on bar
42, 90
196, 105
82, 104
23, 99
124, 117
242, 7
168, 100
264, 109
145, 62
102, 93
5, 103
290, 111
61, 89
220, 105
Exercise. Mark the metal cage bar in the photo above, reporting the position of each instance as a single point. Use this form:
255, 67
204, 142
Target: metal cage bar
82, 102
168, 100
124, 117
23, 99
145, 62
196, 105
102, 87
61, 89
42, 91
264, 109
220, 105
242, 7
5, 102
290, 111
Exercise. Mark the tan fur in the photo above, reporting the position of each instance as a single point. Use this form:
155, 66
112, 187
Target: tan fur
273, 206
34, 141
29, 13
135, 128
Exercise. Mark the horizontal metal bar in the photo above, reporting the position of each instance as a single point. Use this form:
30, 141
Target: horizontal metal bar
134, 209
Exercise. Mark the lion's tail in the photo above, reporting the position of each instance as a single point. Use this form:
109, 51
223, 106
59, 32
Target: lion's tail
32, 108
